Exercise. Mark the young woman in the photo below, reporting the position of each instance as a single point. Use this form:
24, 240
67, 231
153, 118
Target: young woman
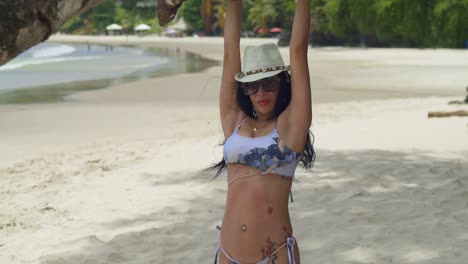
265, 115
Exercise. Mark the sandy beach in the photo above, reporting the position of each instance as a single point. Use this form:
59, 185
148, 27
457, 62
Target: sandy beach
113, 175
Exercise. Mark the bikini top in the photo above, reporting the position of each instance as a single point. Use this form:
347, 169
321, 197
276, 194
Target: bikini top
262, 153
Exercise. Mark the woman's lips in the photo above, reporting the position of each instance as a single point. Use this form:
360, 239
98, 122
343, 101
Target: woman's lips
263, 102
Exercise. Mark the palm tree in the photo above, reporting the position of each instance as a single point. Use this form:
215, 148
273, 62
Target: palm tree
262, 13
220, 15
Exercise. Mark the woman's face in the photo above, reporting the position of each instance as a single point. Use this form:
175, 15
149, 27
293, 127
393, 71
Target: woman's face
263, 93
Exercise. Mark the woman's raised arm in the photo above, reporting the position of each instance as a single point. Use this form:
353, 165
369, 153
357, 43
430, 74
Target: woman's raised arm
300, 112
229, 108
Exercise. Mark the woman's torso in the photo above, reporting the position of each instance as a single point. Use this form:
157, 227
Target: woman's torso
259, 202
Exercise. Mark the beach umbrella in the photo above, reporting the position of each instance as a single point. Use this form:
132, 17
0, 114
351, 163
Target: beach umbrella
261, 30
142, 27
114, 27
275, 30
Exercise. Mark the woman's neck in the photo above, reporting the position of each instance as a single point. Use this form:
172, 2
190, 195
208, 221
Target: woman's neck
265, 117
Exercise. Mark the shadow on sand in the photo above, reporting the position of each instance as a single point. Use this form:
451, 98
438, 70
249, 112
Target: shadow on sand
367, 206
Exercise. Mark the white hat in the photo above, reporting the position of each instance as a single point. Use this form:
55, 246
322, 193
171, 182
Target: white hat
261, 62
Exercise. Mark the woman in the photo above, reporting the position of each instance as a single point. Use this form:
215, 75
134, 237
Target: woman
265, 115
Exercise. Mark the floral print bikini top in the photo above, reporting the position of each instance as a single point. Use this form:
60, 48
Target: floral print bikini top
263, 153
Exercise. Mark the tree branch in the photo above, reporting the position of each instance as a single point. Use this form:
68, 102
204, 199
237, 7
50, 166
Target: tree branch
167, 10
25, 23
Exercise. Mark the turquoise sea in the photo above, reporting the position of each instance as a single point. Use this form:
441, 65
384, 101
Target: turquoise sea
49, 71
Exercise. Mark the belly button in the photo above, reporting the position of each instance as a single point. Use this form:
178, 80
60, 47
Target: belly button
244, 228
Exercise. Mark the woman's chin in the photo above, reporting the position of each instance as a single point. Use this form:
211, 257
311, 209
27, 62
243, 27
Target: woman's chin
264, 110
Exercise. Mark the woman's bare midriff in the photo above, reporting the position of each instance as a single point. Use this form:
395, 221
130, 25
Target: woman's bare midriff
256, 219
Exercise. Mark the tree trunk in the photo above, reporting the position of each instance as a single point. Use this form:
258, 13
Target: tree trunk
24, 23
205, 12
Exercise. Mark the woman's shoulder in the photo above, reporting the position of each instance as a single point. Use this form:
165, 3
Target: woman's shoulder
233, 122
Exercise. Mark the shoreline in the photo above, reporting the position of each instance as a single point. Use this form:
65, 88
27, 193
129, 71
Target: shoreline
181, 62
386, 71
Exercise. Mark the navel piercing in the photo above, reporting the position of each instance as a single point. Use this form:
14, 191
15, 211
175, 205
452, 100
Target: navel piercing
244, 228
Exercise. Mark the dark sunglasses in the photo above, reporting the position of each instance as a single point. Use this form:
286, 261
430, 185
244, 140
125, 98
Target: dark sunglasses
268, 85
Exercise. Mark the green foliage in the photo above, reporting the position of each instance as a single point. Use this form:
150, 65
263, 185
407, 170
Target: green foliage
363, 16
451, 23
408, 23
219, 16
415, 23
261, 14
388, 21
101, 16
72, 25
285, 9
190, 11
319, 19
339, 17
127, 13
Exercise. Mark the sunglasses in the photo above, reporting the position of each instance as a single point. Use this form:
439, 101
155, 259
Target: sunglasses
268, 85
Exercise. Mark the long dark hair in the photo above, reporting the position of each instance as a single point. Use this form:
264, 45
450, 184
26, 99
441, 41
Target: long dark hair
284, 98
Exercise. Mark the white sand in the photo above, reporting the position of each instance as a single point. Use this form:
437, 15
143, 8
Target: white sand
113, 176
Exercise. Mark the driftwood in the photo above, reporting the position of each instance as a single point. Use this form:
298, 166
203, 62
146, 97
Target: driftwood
459, 102
448, 114
24, 23
167, 10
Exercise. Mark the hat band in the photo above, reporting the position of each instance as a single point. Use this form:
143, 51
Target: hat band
275, 68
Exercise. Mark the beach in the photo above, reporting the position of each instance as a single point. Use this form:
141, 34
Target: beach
114, 175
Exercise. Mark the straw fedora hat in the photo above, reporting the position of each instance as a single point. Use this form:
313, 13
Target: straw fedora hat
261, 62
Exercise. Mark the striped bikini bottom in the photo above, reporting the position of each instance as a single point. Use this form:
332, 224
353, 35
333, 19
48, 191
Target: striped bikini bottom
290, 241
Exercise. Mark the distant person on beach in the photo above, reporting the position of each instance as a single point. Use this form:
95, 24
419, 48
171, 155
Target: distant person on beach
266, 114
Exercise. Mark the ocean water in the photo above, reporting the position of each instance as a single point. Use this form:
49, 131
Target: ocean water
48, 72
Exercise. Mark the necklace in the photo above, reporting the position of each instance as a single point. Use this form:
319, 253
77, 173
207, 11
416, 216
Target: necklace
254, 131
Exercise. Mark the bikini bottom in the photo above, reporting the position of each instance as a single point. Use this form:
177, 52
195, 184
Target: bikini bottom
290, 241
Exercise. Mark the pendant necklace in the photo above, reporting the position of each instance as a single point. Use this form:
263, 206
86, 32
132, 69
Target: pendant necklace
254, 131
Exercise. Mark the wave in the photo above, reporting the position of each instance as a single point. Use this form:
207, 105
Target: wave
17, 65
54, 51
